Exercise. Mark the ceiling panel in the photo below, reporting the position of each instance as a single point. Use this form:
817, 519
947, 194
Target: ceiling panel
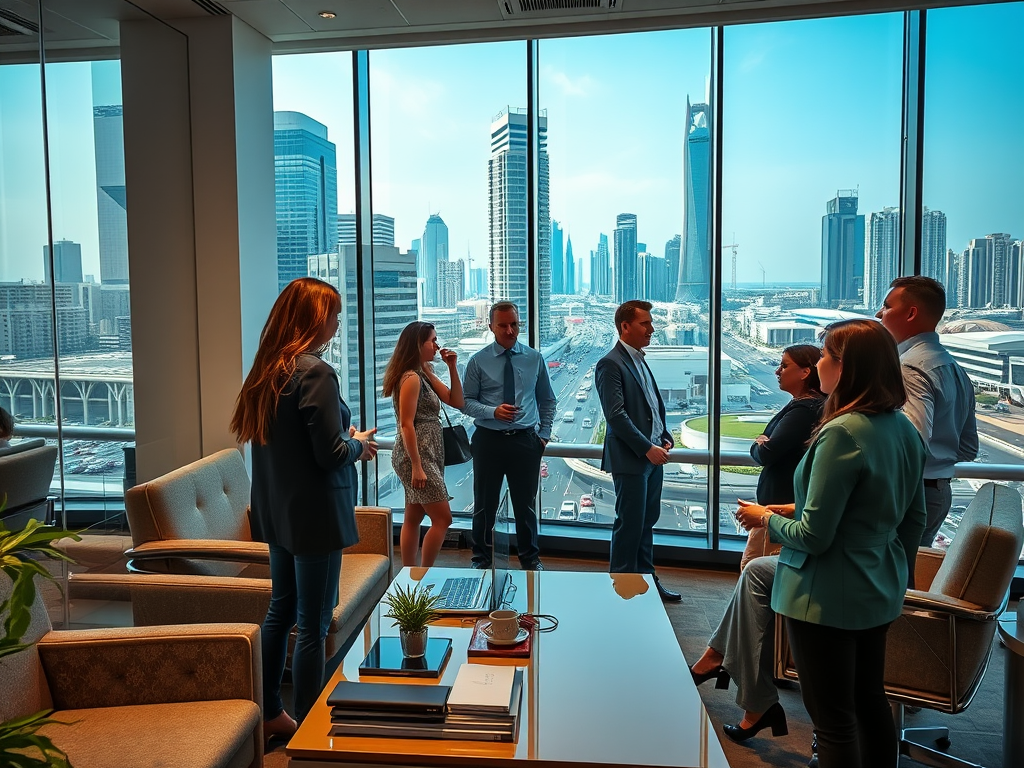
351, 14
420, 13
270, 17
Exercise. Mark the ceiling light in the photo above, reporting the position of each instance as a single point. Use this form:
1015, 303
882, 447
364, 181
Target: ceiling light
327, 14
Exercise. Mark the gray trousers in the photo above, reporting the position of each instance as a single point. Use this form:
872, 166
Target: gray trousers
746, 636
937, 501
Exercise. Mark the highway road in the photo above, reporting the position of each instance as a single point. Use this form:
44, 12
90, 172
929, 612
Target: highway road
685, 496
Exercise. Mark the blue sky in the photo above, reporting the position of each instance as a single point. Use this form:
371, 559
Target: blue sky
810, 107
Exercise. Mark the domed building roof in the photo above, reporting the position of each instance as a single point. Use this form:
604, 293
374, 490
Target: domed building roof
970, 326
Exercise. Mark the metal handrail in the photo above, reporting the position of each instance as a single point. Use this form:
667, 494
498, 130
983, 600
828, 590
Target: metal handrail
965, 469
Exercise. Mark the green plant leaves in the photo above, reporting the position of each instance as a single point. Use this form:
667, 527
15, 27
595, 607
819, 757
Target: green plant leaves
412, 608
22, 747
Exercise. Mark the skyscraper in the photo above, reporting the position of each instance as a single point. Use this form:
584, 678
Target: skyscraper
67, 262
990, 271
673, 250
557, 260
434, 251
451, 282
933, 245
306, 193
625, 257
842, 252
651, 277
571, 284
507, 215
694, 283
111, 203
601, 269
883, 244
478, 282
383, 229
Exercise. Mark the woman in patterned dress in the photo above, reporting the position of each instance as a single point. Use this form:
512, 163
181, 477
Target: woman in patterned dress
418, 457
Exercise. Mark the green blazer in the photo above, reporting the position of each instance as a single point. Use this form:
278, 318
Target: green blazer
848, 552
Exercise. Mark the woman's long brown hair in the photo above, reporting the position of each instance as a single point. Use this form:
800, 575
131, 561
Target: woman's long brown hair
297, 321
871, 380
406, 356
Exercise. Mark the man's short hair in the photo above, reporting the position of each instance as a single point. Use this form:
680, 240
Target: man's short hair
502, 306
924, 292
627, 311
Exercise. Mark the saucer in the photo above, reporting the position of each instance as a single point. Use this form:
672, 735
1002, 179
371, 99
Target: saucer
523, 634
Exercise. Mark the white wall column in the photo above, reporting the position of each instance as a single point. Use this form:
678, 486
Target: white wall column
199, 167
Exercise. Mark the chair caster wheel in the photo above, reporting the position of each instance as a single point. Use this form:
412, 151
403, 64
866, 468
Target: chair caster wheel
943, 743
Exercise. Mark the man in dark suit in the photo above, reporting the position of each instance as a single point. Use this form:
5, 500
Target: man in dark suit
636, 442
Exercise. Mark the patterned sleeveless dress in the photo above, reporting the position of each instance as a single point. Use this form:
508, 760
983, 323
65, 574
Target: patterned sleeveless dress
429, 442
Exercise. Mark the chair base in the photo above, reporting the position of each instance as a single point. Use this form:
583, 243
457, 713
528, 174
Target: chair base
910, 743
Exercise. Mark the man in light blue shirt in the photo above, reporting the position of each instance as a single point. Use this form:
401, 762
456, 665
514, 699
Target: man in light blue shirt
940, 396
508, 394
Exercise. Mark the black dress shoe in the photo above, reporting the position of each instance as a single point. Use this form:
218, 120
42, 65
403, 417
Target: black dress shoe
536, 565
480, 566
721, 674
667, 595
774, 717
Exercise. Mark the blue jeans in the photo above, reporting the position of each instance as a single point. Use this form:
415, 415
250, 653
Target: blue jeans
304, 591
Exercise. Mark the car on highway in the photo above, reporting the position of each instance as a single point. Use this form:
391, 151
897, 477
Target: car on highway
593, 411
569, 510
543, 469
587, 515
588, 422
586, 500
569, 416
698, 518
579, 407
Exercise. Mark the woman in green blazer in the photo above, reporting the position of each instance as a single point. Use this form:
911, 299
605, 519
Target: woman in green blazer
848, 553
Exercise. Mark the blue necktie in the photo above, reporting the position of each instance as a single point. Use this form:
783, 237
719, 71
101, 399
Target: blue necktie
509, 389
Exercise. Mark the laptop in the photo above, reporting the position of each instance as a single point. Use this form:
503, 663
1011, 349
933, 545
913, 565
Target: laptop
474, 592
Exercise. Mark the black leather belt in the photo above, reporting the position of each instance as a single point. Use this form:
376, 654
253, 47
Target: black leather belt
512, 431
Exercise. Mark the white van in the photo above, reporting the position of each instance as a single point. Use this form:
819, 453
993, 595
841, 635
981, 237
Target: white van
569, 417
698, 518
588, 422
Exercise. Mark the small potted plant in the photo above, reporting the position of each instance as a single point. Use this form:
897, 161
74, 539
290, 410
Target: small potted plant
412, 608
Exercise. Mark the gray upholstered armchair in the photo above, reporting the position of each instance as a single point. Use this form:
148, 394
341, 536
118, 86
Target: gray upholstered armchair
26, 472
173, 697
937, 651
191, 535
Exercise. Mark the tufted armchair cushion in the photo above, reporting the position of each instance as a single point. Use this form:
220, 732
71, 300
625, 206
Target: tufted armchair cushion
205, 500
148, 697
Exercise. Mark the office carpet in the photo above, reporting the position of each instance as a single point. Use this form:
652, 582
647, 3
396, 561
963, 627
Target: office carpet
976, 733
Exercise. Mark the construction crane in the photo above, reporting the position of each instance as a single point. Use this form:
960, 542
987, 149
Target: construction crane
764, 280
734, 245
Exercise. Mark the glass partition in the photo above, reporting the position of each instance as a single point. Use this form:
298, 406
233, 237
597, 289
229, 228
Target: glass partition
811, 119
630, 205
973, 218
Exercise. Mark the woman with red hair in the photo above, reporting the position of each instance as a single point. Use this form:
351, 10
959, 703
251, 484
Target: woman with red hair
304, 452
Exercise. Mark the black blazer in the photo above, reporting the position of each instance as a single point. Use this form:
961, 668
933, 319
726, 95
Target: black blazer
627, 413
789, 430
304, 478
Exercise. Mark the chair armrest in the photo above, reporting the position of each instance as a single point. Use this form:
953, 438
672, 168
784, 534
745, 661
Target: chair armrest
916, 600
152, 665
928, 561
376, 536
202, 549
181, 599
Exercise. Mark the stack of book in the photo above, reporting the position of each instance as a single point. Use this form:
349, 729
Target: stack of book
482, 705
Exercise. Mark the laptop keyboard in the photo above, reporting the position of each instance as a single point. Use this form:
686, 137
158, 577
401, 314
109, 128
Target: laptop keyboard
460, 592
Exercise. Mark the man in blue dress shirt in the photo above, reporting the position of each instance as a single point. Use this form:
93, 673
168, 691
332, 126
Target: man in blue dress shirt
940, 396
508, 394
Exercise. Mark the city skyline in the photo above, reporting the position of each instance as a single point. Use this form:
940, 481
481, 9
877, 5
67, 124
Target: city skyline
762, 164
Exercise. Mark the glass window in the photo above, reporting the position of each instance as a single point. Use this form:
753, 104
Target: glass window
87, 269
811, 120
973, 217
625, 201
448, 128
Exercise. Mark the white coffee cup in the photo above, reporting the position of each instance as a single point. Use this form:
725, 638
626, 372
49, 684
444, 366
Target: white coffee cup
504, 625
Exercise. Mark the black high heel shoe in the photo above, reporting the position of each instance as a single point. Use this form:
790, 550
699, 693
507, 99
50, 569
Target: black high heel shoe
721, 674
774, 717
